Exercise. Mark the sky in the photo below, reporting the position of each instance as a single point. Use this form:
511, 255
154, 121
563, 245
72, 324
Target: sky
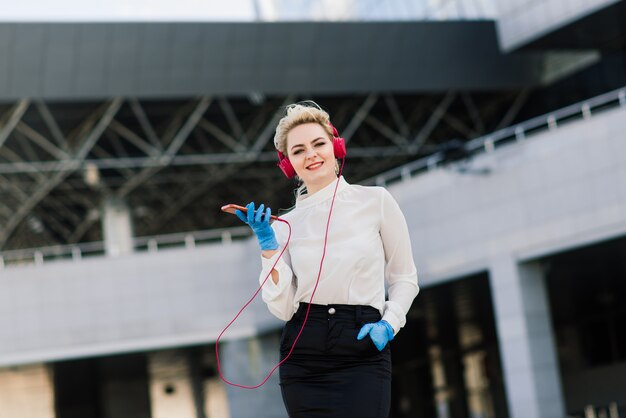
127, 10
241, 10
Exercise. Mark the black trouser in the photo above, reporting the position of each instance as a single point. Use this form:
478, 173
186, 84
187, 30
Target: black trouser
330, 373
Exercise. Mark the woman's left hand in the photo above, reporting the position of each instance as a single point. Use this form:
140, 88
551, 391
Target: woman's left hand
380, 332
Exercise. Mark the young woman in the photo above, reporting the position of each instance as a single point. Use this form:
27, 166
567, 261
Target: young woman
341, 363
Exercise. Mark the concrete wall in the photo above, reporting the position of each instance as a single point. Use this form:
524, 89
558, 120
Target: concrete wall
131, 303
521, 21
551, 192
545, 194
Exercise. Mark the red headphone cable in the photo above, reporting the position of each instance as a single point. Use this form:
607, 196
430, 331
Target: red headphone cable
306, 316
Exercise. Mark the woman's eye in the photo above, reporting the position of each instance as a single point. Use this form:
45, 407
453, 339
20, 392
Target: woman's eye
297, 152
319, 144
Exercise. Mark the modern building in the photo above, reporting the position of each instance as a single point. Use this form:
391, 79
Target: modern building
497, 126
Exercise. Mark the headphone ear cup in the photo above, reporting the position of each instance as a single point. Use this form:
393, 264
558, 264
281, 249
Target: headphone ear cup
285, 165
339, 147
287, 168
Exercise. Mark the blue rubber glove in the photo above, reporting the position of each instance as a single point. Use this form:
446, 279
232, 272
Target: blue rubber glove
260, 224
380, 332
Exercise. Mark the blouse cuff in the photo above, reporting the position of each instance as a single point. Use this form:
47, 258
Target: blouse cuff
395, 316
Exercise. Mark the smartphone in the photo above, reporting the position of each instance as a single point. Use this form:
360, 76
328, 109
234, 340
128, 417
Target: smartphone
231, 208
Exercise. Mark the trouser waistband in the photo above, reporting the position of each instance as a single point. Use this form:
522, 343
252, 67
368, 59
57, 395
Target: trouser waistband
357, 313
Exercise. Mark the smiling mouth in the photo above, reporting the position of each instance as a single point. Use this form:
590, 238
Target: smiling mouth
314, 166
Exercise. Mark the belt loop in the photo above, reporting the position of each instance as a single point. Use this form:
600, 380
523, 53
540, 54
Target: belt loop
358, 316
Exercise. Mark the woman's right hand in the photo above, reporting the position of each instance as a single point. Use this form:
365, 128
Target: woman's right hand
259, 222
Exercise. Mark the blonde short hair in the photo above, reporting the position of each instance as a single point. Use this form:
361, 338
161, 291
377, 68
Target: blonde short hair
298, 114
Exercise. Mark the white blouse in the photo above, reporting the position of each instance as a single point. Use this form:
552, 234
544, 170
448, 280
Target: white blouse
368, 244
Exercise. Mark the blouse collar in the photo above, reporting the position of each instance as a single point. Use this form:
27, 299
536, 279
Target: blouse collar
321, 195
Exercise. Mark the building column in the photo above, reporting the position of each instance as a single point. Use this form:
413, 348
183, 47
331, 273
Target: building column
171, 392
117, 227
247, 362
27, 391
527, 345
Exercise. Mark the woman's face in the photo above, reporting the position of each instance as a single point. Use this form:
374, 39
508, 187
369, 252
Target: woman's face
311, 153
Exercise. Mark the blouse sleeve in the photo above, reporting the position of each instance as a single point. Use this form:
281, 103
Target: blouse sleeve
400, 271
279, 297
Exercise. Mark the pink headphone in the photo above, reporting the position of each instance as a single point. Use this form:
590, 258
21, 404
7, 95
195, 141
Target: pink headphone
339, 147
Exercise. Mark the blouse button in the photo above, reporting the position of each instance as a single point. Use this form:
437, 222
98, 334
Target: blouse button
332, 311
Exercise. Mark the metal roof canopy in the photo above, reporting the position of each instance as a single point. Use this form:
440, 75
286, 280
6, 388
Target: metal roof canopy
176, 162
603, 30
70, 61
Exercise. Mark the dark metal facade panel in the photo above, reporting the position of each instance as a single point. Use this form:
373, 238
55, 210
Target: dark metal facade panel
100, 60
154, 59
121, 66
92, 46
27, 59
58, 60
6, 52
187, 56
216, 41
242, 58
